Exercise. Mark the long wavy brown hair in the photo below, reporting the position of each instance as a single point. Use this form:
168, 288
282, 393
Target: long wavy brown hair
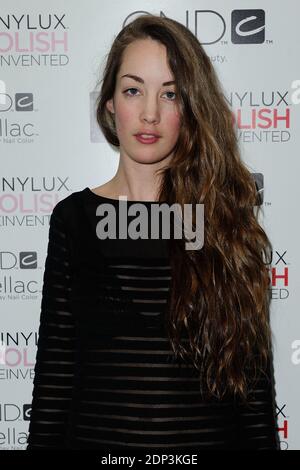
219, 297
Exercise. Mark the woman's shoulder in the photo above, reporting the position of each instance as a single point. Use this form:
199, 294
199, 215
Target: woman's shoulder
68, 208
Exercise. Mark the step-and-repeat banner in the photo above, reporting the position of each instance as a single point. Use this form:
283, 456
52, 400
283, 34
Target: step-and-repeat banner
51, 57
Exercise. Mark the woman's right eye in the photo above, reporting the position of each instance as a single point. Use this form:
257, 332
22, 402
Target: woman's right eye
125, 91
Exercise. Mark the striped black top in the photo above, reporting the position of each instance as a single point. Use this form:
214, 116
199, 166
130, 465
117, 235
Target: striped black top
105, 374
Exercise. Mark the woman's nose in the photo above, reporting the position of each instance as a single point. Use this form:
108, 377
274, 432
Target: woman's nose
150, 109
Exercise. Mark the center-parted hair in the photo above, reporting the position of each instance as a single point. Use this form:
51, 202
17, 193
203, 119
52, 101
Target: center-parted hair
219, 297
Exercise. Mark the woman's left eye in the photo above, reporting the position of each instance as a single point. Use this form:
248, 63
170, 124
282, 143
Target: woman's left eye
129, 89
172, 92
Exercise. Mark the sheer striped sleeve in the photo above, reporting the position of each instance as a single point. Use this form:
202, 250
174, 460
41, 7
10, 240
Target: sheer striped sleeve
257, 421
55, 358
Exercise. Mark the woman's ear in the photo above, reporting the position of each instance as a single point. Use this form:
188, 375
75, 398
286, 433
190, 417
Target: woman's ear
110, 105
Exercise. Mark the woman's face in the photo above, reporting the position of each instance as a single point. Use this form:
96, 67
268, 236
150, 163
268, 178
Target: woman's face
145, 106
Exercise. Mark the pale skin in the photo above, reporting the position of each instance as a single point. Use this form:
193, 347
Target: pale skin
151, 106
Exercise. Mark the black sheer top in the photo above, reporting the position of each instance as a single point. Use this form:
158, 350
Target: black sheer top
105, 374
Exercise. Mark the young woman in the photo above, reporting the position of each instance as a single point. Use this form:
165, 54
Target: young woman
142, 343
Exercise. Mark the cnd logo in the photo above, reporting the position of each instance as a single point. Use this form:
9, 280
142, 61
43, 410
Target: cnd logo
247, 26
19, 102
210, 26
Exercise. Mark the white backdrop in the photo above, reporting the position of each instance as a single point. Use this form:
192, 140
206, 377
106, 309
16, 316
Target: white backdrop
51, 56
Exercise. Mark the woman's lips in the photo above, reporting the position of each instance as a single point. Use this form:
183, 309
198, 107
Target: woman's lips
146, 140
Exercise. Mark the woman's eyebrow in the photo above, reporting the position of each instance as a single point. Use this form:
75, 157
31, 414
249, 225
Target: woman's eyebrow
139, 79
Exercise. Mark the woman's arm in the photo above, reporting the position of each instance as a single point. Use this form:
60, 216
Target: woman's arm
55, 358
257, 423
